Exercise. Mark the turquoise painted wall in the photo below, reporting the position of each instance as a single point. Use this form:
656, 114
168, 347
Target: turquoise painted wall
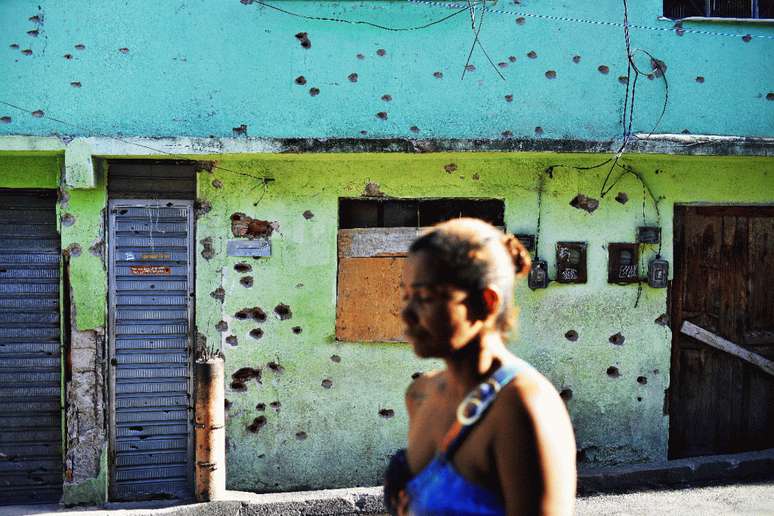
202, 68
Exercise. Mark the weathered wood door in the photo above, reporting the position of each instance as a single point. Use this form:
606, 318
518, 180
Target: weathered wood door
724, 282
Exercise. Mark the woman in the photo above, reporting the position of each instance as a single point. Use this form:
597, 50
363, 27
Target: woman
488, 434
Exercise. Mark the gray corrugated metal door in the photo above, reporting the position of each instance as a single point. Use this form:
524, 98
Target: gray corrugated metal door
30, 364
151, 303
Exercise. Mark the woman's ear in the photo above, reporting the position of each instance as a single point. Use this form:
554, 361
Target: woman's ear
492, 299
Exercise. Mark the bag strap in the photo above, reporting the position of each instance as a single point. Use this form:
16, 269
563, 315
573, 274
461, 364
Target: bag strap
474, 406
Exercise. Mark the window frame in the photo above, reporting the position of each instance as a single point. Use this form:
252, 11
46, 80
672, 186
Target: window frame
755, 18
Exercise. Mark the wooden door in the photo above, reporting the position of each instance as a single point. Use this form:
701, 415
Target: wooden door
724, 282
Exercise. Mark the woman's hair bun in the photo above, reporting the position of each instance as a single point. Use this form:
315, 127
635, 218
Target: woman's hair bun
522, 262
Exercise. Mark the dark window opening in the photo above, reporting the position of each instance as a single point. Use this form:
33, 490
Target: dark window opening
396, 213
753, 9
151, 179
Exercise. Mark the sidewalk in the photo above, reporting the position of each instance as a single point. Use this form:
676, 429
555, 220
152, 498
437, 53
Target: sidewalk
718, 469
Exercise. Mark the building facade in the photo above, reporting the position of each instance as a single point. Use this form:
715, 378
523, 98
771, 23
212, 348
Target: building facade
243, 176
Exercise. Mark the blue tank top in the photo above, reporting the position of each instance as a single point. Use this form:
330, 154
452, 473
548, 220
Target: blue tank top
440, 490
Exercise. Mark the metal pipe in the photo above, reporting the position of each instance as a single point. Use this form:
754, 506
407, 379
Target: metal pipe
210, 422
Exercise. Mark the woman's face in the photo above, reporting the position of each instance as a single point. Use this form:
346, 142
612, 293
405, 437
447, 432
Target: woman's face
437, 316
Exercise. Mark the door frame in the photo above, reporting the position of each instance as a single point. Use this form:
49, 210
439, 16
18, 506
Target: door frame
111, 334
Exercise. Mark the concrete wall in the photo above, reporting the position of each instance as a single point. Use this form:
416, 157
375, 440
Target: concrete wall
200, 68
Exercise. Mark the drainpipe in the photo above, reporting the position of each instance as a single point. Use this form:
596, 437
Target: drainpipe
209, 417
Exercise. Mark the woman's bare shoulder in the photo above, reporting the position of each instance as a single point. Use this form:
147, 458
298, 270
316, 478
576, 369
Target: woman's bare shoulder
423, 387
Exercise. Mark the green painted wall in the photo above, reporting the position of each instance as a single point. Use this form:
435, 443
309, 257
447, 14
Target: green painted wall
617, 420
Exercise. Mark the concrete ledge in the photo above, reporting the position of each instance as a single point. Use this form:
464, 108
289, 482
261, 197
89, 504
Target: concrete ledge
739, 467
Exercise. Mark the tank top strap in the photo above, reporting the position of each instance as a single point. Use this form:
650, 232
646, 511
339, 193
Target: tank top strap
474, 406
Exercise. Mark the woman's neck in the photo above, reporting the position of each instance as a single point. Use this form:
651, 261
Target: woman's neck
468, 366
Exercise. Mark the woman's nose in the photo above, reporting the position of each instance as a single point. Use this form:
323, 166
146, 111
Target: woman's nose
407, 313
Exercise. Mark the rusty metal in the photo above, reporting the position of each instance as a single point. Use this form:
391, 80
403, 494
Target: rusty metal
209, 427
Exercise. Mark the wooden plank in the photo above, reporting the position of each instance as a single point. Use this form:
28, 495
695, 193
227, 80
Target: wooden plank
722, 344
369, 300
376, 242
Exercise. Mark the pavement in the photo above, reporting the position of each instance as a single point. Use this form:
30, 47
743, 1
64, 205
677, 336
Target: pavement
739, 484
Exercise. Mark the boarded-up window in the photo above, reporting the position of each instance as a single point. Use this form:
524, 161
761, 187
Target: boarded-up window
373, 240
676, 9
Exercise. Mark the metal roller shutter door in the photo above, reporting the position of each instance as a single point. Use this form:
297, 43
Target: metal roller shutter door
30, 363
151, 284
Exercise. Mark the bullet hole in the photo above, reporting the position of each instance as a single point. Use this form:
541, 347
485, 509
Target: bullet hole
303, 38
314, 91
123, 50
360, 56
582, 202
747, 38
502, 64
642, 380
244, 375
246, 281
67, 219
239, 131
662, 320
622, 197
623, 79
207, 250
38, 113
381, 52
227, 404
257, 424
659, 66
438, 75
451, 167
617, 339
218, 294
520, 20
73, 250
538, 131
243, 267
364, 132
414, 129
387, 98
297, 330
603, 69
33, 33
202, 207
512, 59
327, 383
27, 51
476, 176
75, 84
576, 59
571, 335
276, 367
566, 395
308, 215
470, 67
386, 413
283, 311
679, 31
416, 375
80, 46
700, 79
6, 119
14, 46
770, 96
509, 98
244, 226
685, 131
260, 407
275, 405
506, 134
232, 340
532, 54
551, 74
613, 372
68, 56
300, 80
217, 183
336, 359
372, 190
655, 371
221, 326
352, 77
301, 436
254, 313
299, 285
639, 398
96, 248
256, 333
382, 115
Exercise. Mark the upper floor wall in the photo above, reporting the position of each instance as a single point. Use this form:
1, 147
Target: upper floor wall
240, 67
